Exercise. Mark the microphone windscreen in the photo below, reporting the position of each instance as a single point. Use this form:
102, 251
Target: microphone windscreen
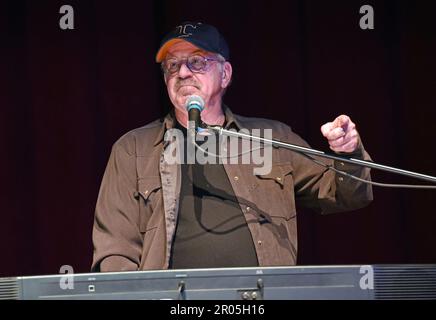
196, 102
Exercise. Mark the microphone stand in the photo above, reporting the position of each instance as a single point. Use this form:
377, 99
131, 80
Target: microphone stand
304, 150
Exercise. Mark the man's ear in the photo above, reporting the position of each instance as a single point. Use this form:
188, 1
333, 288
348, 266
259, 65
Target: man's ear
226, 75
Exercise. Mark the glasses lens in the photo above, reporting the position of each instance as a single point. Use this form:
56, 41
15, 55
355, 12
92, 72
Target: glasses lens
197, 63
171, 65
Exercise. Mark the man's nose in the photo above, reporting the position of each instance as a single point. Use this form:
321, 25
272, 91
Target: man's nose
184, 71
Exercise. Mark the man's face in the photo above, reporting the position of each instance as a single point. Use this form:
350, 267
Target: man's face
183, 83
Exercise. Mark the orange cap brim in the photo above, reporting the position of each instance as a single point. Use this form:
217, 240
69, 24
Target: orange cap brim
161, 54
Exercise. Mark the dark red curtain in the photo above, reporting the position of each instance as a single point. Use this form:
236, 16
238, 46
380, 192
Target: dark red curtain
67, 95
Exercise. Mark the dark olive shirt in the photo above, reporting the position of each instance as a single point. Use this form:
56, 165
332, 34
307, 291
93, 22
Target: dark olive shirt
211, 229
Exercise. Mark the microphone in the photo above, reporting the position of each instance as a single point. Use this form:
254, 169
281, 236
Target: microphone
194, 104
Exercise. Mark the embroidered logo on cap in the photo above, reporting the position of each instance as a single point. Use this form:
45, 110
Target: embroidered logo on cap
183, 30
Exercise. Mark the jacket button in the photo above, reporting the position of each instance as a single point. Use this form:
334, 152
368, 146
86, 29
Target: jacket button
247, 209
259, 242
146, 191
341, 179
279, 179
236, 178
342, 164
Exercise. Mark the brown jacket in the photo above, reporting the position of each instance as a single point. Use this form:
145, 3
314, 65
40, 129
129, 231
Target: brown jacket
137, 206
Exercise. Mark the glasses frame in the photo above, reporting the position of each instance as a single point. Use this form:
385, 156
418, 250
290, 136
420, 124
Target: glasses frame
185, 61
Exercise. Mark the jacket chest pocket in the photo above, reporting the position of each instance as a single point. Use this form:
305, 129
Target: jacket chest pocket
277, 188
150, 202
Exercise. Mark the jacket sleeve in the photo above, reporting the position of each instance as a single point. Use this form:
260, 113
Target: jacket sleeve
324, 190
116, 236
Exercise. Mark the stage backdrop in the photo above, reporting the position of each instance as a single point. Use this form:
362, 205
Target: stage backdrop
67, 95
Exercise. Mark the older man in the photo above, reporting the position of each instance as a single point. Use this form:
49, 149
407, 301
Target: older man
152, 214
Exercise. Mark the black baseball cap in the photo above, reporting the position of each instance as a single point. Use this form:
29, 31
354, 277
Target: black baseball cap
201, 35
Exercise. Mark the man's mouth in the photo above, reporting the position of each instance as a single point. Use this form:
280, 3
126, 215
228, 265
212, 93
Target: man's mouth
186, 89
186, 85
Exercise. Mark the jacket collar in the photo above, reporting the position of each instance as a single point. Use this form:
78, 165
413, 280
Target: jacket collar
169, 122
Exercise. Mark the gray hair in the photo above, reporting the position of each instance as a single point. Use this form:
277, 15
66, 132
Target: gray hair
221, 60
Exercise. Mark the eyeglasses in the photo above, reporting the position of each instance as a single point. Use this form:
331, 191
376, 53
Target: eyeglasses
196, 64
